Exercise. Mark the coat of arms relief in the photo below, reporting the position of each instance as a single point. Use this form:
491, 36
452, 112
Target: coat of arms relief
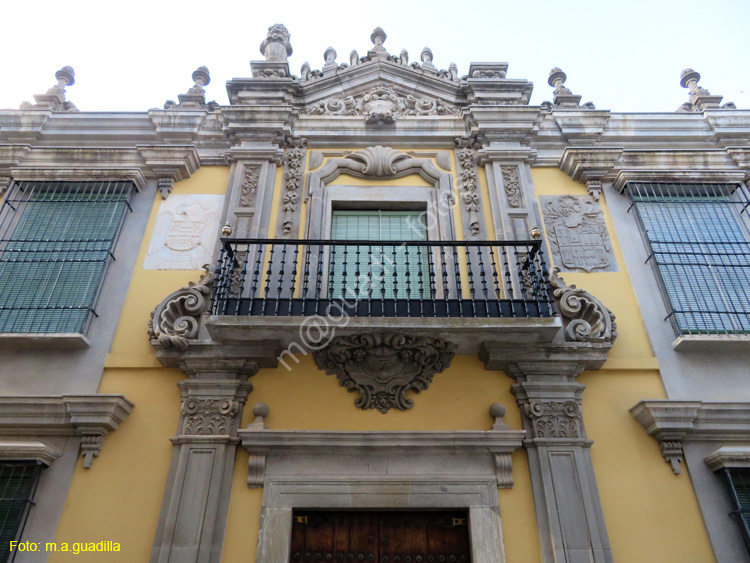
577, 234
186, 230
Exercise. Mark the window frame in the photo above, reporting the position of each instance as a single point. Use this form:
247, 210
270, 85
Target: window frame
21, 518
113, 191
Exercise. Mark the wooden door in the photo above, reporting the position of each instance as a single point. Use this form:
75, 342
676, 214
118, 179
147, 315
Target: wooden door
380, 537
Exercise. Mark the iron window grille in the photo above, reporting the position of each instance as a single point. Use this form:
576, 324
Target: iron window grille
697, 241
738, 481
56, 243
18, 482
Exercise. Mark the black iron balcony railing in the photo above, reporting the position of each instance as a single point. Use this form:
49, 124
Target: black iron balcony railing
360, 278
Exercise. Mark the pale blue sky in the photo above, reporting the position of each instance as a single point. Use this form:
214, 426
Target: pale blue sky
623, 56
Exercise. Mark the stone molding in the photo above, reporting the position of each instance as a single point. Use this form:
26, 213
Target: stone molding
175, 322
672, 423
92, 417
620, 165
727, 457
28, 450
265, 442
383, 367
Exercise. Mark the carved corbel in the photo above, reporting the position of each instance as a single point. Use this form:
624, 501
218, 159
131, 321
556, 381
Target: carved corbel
165, 186
93, 418
594, 187
585, 318
176, 320
256, 463
383, 367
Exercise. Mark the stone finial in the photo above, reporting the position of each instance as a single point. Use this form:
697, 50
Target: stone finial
497, 411
305, 71
260, 411
195, 98
699, 98
353, 58
54, 98
330, 60
404, 57
276, 46
426, 57
453, 71
378, 37
563, 97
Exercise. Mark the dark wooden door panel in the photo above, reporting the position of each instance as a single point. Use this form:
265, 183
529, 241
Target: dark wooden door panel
380, 537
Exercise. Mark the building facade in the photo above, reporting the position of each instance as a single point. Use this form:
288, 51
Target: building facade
378, 311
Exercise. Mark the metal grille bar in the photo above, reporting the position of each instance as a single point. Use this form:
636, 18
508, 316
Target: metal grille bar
738, 480
18, 482
697, 240
56, 242
369, 278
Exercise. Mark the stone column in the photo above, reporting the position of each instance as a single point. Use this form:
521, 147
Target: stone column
568, 511
196, 498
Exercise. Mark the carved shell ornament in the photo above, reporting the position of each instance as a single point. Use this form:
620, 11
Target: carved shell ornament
383, 367
585, 318
176, 320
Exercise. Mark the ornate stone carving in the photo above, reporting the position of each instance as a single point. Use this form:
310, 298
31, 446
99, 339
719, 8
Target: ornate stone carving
671, 451
54, 98
700, 98
176, 320
577, 233
511, 185
585, 318
470, 183
562, 96
195, 98
185, 232
295, 157
249, 186
276, 46
270, 73
208, 417
554, 419
382, 367
381, 104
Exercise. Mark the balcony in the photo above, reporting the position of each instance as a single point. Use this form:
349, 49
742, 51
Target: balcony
356, 278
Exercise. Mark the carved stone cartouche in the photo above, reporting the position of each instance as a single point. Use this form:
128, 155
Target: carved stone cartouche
382, 367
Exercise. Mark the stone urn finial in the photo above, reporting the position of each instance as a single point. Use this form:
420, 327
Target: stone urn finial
276, 46
689, 78
378, 37
201, 77
66, 76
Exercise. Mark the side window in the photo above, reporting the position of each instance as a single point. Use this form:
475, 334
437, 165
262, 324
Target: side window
698, 243
18, 483
738, 480
56, 242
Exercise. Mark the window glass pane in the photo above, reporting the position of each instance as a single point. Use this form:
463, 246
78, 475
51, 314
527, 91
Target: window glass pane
379, 271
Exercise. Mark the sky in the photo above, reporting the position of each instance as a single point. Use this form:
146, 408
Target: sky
625, 56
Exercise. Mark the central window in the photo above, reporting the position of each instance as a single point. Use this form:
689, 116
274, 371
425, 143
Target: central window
375, 269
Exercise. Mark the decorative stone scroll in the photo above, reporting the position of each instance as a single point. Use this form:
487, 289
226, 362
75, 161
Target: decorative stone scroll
382, 367
554, 419
578, 235
585, 318
381, 104
175, 321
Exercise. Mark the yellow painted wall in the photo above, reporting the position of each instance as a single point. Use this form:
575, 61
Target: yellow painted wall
649, 511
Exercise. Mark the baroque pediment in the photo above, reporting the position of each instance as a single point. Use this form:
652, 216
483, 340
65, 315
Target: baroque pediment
381, 104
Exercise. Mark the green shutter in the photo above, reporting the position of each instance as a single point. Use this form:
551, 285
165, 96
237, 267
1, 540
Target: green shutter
382, 267
60, 239
17, 484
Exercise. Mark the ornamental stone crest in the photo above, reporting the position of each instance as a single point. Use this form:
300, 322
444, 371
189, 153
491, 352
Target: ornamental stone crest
381, 104
554, 419
382, 367
578, 236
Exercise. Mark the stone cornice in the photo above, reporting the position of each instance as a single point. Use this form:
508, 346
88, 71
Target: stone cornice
673, 422
28, 450
620, 165
91, 417
728, 456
